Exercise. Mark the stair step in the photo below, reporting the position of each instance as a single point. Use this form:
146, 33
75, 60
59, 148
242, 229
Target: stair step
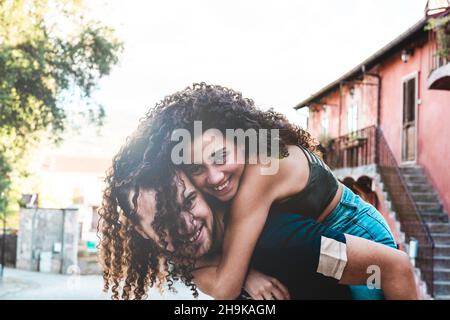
412, 178
411, 170
439, 227
441, 238
441, 274
442, 288
434, 216
429, 206
438, 238
425, 197
441, 262
442, 250
417, 187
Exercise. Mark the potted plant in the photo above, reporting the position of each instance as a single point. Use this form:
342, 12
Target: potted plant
441, 26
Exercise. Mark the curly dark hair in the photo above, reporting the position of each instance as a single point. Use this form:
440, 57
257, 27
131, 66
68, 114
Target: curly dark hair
221, 108
131, 263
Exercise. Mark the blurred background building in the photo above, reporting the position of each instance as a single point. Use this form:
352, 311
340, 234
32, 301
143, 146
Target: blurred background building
384, 130
382, 124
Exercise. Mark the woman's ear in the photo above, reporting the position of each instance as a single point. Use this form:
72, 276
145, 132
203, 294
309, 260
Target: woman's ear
141, 232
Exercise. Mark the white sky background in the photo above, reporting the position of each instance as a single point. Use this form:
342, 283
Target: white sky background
275, 52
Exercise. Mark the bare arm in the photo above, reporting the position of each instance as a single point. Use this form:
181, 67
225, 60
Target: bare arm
247, 221
248, 215
396, 272
248, 212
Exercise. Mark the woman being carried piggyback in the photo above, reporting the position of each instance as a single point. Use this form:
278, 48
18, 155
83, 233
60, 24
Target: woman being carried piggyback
253, 161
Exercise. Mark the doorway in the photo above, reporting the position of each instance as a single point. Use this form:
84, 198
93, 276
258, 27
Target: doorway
409, 127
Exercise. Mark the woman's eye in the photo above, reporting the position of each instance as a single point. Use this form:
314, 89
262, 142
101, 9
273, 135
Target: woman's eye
221, 158
187, 205
189, 202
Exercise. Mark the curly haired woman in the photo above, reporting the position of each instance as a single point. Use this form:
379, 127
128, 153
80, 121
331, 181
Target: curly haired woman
133, 263
291, 249
128, 175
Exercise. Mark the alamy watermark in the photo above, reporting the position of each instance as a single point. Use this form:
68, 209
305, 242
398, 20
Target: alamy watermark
74, 281
374, 280
185, 152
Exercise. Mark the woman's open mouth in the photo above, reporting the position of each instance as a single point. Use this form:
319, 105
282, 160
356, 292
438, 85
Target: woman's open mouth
222, 188
197, 235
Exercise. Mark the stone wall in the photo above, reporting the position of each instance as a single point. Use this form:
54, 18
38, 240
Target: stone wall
47, 239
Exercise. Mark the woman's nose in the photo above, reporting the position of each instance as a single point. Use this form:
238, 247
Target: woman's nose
214, 176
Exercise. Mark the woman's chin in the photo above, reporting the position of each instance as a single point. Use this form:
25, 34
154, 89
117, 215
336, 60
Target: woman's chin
226, 198
204, 249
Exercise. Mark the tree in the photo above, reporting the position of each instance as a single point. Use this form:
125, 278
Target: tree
48, 51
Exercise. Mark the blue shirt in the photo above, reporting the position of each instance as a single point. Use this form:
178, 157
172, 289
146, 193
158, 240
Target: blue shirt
296, 251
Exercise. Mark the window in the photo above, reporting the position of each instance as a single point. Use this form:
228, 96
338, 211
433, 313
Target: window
409, 100
325, 121
352, 117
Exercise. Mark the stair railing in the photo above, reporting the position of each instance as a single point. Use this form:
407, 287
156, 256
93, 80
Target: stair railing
412, 223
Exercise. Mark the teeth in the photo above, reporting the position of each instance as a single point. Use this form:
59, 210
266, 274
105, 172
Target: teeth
221, 187
196, 235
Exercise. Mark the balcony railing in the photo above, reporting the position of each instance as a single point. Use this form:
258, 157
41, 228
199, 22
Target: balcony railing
352, 150
439, 55
368, 146
437, 58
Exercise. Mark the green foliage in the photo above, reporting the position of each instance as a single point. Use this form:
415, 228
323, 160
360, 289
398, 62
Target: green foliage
47, 52
440, 26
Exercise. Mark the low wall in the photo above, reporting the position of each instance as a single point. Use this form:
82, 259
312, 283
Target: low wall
47, 240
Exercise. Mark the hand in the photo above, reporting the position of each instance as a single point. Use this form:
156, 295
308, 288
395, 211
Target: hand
262, 287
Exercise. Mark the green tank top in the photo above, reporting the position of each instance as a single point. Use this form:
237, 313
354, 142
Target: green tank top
319, 191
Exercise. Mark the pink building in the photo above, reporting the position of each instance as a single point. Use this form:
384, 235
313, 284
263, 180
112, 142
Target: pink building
384, 126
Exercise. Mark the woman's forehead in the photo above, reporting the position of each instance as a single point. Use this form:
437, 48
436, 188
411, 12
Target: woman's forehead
184, 185
146, 202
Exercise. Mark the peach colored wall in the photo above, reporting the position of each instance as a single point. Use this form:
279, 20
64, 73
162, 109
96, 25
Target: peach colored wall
433, 115
434, 135
365, 97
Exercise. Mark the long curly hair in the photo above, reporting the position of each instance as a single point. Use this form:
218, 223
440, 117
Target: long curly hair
217, 107
133, 264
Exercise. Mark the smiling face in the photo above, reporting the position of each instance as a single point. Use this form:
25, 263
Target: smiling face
196, 218
221, 167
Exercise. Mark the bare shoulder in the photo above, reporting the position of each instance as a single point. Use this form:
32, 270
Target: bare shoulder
279, 177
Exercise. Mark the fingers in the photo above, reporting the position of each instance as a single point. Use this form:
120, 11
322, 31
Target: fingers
270, 292
283, 288
277, 294
267, 295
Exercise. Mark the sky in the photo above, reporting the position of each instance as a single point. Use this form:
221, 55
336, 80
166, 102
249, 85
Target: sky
274, 52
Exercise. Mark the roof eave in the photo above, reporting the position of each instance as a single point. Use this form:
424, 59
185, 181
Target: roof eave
366, 64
